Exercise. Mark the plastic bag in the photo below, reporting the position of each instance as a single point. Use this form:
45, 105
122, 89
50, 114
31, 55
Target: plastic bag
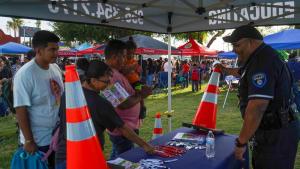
23, 160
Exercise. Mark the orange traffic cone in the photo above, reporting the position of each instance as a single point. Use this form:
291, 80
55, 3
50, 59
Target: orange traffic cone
206, 113
157, 131
83, 147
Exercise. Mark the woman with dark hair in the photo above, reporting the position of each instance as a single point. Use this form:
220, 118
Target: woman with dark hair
97, 78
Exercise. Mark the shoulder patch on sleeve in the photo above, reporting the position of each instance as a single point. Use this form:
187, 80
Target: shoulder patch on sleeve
259, 80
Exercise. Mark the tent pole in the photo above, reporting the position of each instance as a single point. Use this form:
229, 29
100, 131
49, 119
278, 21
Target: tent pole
169, 82
229, 86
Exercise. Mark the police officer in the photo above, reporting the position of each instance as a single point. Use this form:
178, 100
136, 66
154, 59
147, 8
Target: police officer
264, 94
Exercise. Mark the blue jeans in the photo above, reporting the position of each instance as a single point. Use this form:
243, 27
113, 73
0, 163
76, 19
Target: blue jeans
186, 82
195, 84
61, 165
120, 144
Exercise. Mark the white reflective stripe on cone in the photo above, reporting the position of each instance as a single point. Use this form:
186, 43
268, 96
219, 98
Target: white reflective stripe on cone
214, 79
210, 97
80, 131
74, 95
158, 124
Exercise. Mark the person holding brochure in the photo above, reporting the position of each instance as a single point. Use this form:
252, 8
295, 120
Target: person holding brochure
97, 78
129, 110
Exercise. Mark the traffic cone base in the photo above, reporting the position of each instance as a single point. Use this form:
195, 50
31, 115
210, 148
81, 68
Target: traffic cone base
89, 152
207, 118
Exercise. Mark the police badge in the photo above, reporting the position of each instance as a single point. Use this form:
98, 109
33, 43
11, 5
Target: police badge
259, 80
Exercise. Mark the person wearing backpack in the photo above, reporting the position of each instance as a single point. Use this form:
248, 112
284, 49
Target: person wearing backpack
195, 78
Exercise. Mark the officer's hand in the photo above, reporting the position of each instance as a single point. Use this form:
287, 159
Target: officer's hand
239, 152
30, 147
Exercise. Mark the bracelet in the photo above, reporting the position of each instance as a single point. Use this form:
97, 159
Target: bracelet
28, 141
239, 144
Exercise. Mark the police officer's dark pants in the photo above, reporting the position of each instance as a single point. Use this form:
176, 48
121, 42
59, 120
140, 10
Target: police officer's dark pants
276, 149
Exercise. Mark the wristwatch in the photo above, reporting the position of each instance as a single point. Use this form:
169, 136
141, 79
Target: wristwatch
239, 144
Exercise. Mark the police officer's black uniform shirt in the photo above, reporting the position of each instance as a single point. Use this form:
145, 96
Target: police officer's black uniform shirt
264, 77
103, 117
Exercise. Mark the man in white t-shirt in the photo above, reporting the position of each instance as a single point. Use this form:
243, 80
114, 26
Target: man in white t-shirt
166, 65
37, 90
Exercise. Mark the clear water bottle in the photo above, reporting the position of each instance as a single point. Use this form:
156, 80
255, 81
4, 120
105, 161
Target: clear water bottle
210, 145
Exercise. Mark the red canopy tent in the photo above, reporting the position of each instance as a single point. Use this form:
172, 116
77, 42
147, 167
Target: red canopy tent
96, 49
149, 51
193, 48
99, 49
66, 52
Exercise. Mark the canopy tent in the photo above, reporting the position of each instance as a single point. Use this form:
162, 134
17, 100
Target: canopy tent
96, 49
146, 45
193, 48
83, 46
227, 55
13, 48
287, 39
67, 52
284, 40
161, 16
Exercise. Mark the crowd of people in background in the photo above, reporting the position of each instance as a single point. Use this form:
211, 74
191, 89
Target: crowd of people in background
184, 72
8, 68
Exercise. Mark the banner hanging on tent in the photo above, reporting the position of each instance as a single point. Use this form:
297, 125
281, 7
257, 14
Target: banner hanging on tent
159, 16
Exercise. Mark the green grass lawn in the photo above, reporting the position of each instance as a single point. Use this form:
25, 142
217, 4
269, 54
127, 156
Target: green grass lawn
184, 103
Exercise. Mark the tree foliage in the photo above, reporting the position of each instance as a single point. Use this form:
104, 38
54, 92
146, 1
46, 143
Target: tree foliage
70, 32
14, 24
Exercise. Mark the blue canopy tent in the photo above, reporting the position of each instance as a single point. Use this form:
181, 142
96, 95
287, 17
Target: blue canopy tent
227, 55
13, 48
287, 39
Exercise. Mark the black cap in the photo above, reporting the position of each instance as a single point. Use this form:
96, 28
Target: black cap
245, 31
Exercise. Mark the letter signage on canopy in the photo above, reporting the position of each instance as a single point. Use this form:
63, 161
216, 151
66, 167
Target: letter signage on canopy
162, 16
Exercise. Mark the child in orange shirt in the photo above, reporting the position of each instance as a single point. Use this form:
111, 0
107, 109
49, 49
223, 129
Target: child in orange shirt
132, 69
132, 72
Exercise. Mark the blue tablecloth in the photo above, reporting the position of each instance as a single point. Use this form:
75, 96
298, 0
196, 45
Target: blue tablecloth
195, 159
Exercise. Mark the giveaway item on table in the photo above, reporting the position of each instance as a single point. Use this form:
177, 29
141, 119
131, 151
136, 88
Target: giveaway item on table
189, 137
187, 145
152, 164
188, 141
169, 151
125, 163
115, 94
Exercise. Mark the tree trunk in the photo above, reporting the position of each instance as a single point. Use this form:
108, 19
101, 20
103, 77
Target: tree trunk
219, 33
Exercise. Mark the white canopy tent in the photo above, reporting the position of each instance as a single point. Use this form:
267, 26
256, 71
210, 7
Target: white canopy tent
161, 16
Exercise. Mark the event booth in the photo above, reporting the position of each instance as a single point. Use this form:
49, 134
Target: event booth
164, 16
